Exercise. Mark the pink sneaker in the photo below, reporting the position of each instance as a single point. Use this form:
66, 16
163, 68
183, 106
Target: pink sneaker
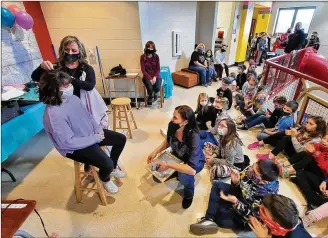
262, 156
255, 145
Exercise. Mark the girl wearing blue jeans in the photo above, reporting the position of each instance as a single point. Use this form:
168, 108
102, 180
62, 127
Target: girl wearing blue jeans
198, 63
184, 140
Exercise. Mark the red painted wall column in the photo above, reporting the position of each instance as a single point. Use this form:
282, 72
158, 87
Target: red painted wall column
40, 30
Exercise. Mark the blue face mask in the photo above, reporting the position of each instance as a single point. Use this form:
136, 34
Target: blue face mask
260, 100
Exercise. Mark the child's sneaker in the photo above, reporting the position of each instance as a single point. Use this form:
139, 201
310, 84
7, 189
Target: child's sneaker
117, 173
255, 145
242, 127
262, 156
111, 187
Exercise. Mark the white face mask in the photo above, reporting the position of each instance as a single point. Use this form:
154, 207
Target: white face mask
67, 92
221, 132
204, 103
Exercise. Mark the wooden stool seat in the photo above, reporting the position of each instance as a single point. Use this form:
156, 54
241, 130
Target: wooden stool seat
121, 112
97, 185
121, 101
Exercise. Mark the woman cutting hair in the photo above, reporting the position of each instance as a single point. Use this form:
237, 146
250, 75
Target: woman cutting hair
73, 61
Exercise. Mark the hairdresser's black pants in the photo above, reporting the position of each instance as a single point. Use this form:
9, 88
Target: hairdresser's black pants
95, 156
309, 184
219, 70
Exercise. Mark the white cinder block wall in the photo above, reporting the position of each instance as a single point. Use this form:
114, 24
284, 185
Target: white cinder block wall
159, 19
319, 22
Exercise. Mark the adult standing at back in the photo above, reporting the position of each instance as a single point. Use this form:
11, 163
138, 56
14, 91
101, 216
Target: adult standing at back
295, 40
150, 67
73, 61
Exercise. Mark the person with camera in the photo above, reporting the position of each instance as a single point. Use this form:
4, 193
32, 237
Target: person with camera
150, 67
184, 140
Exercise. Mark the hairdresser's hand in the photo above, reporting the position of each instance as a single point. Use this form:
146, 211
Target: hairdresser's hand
235, 176
163, 166
267, 114
229, 198
258, 228
54, 235
323, 187
47, 65
309, 147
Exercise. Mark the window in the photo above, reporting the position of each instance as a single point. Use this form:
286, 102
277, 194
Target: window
288, 17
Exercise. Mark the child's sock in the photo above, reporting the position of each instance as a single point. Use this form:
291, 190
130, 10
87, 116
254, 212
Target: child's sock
311, 218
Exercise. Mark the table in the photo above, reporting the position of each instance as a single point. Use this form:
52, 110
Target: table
20, 129
129, 76
13, 218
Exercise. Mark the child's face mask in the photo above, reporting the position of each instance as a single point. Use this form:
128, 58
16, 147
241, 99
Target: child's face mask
203, 103
67, 91
250, 173
273, 226
260, 100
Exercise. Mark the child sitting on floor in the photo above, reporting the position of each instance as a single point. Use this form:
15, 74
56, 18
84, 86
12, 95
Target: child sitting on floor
314, 160
233, 84
268, 120
248, 91
231, 205
228, 153
293, 141
241, 77
280, 218
225, 92
211, 135
251, 70
286, 122
204, 112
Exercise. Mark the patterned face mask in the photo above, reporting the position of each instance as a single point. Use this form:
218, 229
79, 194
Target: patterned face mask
252, 176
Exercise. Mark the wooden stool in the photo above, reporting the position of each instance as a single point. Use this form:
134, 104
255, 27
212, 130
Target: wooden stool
122, 105
161, 94
80, 177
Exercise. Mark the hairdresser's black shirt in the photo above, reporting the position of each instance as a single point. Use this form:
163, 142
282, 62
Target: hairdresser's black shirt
225, 94
204, 115
83, 77
189, 150
299, 232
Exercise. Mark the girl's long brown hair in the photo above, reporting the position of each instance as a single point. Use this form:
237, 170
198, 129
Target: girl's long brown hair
319, 132
232, 137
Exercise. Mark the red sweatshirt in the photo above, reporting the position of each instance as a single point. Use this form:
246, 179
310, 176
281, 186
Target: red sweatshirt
321, 158
150, 66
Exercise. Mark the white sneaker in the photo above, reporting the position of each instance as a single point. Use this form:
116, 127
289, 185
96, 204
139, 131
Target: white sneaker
163, 133
117, 173
111, 187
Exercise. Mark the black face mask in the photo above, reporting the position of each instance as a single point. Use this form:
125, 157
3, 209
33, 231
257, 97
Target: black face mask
71, 58
218, 111
149, 52
223, 50
286, 114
